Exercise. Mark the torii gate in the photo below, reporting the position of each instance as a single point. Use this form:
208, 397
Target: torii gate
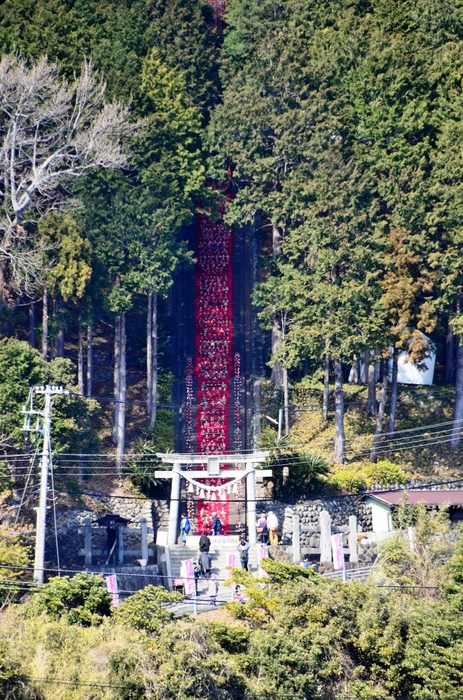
214, 471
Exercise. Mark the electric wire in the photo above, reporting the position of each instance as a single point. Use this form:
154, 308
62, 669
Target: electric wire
250, 451
55, 519
28, 477
395, 437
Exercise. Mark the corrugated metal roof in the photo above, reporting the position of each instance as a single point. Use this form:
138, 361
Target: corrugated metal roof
431, 498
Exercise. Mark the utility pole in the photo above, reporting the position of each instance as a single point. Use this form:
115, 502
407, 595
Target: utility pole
278, 423
43, 426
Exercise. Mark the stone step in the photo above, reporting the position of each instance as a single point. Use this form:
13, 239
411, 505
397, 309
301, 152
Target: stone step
179, 553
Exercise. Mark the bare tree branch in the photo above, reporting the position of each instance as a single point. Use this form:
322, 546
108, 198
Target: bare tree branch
51, 132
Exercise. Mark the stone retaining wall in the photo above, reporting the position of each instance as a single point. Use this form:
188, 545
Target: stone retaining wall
70, 541
340, 508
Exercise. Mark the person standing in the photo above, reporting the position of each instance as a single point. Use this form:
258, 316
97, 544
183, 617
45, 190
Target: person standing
213, 589
272, 524
185, 528
243, 550
205, 564
216, 524
262, 529
204, 542
197, 575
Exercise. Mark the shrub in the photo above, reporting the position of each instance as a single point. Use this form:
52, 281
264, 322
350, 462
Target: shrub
232, 638
347, 480
384, 473
82, 599
304, 474
145, 610
14, 684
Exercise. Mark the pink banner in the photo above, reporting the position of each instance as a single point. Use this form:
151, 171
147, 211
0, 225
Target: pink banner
188, 576
231, 561
111, 585
338, 554
262, 553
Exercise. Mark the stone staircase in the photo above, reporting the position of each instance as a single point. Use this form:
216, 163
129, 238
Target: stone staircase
218, 552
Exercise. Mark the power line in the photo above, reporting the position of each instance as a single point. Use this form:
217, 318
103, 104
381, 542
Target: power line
289, 446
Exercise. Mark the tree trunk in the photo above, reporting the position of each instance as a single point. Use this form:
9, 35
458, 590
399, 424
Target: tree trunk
80, 358
286, 400
458, 411
372, 404
449, 357
117, 373
120, 437
326, 388
393, 404
277, 370
90, 360
45, 325
149, 353
380, 416
59, 343
32, 324
339, 456
151, 357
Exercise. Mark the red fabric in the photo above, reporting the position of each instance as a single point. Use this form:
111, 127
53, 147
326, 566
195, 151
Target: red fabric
213, 365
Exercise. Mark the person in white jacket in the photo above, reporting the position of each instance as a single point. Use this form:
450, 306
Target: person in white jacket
272, 525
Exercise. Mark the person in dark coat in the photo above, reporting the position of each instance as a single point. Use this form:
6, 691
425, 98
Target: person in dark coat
205, 564
216, 524
204, 542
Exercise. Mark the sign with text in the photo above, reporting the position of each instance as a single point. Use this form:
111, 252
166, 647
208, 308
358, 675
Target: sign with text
338, 554
187, 573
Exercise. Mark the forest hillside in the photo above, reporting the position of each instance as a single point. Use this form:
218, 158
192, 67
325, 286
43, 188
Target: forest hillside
329, 135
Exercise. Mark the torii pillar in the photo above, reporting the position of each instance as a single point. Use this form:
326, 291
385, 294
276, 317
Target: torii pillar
214, 471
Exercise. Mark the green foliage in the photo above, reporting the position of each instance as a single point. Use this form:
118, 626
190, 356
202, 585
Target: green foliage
346, 480
14, 684
232, 638
305, 469
184, 661
112, 35
141, 470
68, 270
183, 34
303, 635
163, 433
454, 582
146, 610
81, 599
281, 573
385, 473
16, 542
22, 367
423, 561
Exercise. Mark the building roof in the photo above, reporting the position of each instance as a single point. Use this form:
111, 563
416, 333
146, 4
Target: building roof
431, 498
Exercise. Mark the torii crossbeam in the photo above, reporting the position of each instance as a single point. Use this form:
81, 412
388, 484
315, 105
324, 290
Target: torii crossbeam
215, 471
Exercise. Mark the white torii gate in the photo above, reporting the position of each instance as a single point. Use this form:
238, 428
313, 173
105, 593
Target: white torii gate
214, 471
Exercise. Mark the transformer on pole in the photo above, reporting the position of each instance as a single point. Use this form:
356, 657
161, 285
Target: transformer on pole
43, 427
